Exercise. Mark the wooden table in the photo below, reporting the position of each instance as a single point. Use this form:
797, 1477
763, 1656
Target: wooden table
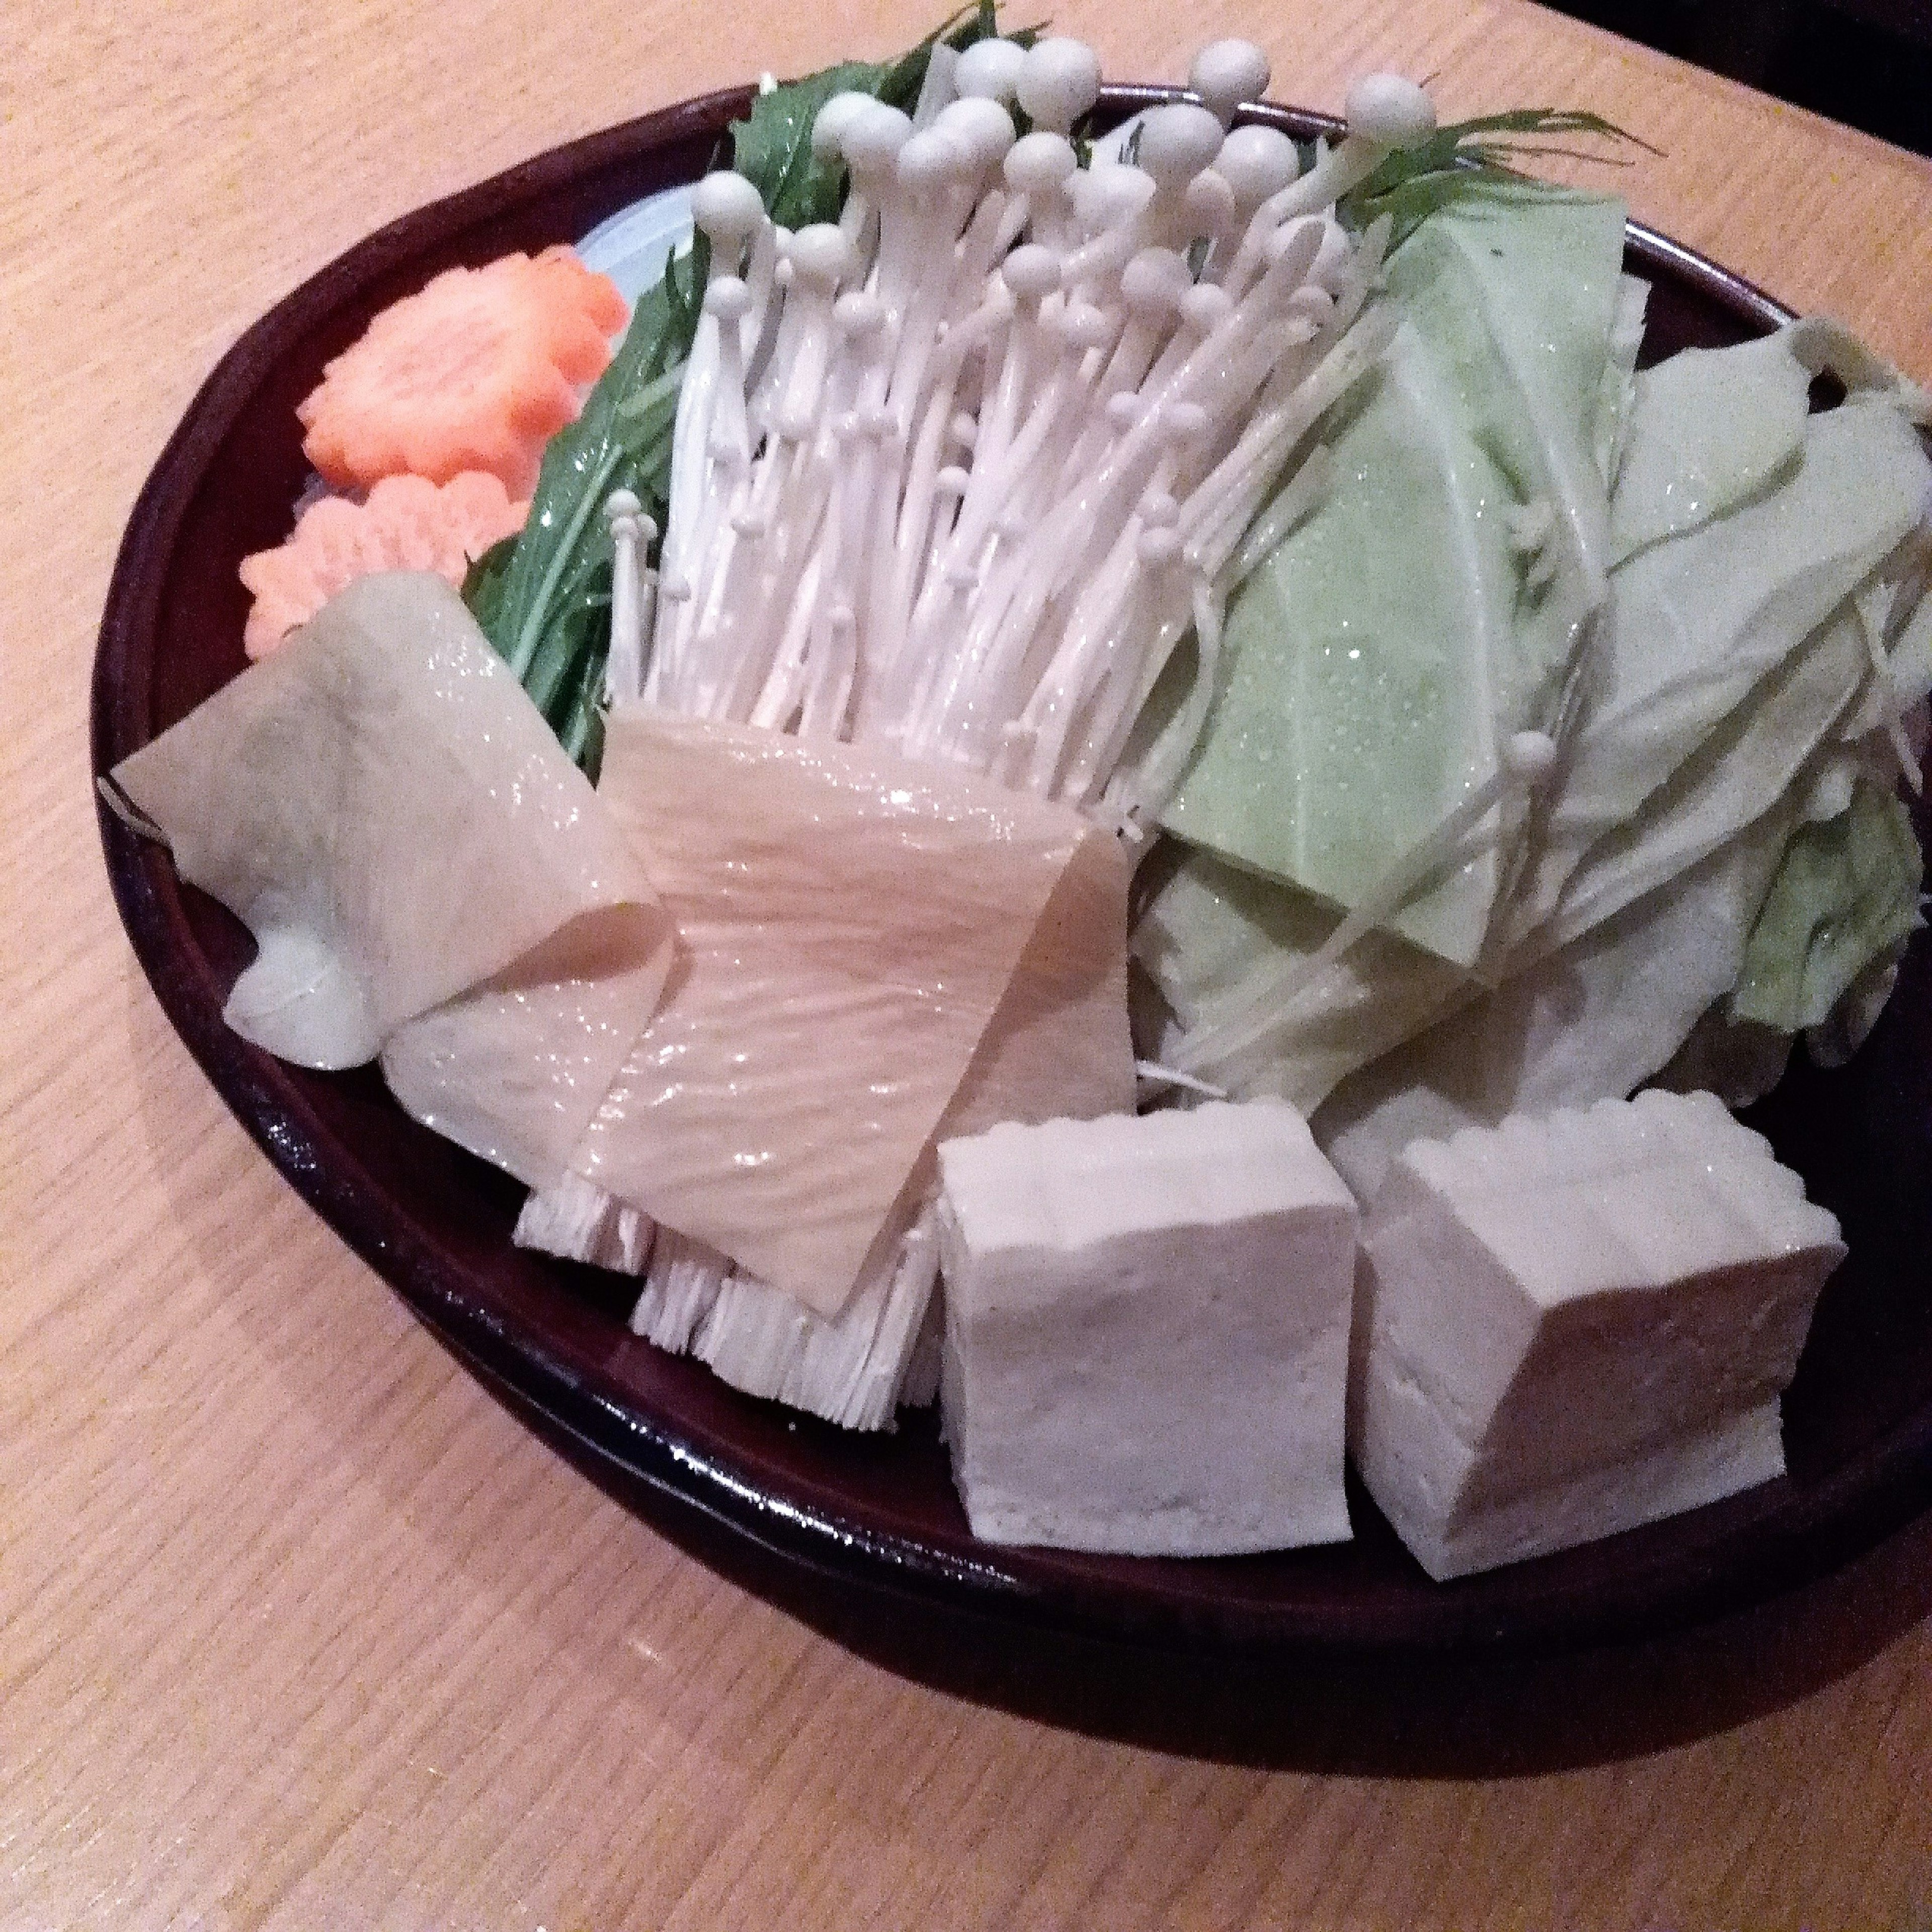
298, 1628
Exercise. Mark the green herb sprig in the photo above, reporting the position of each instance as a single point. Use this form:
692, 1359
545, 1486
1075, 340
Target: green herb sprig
1474, 157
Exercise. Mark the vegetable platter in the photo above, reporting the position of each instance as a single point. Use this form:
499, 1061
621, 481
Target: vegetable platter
876, 1513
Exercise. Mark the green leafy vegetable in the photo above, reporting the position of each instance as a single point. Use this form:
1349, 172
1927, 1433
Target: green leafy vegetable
1727, 654
1376, 661
1222, 945
543, 598
483, 587
1414, 183
772, 146
545, 605
1711, 430
1846, 893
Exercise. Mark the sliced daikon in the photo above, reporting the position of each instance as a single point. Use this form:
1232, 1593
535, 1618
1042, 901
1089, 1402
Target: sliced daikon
426, 875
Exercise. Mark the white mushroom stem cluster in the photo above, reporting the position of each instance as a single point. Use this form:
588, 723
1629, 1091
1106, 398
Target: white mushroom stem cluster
957, 472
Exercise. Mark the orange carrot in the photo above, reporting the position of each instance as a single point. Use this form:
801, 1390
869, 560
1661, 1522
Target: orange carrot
408, 524
476, 371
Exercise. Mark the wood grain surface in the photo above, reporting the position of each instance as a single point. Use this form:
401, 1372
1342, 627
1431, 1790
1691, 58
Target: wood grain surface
299, 1628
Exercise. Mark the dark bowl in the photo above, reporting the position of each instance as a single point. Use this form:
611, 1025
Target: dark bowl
871, 1519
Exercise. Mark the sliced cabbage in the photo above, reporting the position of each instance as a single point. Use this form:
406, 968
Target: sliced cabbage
1710, 430
1617, 401
1592, 1021
1762, 751
1701, 630
1721, 870
1846, 894
1223, 945
1431, 605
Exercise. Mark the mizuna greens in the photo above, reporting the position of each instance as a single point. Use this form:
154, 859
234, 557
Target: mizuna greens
543, 598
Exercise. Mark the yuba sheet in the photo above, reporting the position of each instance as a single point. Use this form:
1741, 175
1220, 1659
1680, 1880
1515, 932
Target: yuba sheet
850, 922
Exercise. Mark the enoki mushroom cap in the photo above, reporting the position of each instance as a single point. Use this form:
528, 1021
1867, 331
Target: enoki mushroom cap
1059, 81
982, 126
859, 314
1390, 111
1205, 307
727, 207
1031, 272
1152, 284
1176, 141
932, 159
1109, 193
821, 253
989, 70
1038, 162
872, 139
1530, 758
829, 129
1210, 202
1256, 162
1082, 325
727, 298
1227, 72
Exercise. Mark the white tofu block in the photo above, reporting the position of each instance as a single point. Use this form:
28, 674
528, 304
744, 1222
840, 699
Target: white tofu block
1147, 1332
1567, 1327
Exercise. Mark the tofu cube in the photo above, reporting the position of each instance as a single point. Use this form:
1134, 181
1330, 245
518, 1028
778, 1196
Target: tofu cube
1147, 1328
1567, 1327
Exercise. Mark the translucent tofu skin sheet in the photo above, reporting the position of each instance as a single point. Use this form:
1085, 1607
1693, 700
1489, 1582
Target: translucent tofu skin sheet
427, 876
850, 922
1058, 1046
515, 1070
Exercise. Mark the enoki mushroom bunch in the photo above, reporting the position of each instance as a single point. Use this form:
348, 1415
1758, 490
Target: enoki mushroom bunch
957, 473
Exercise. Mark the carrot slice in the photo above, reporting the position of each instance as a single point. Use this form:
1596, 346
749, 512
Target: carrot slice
596, 296
476, 371
408, 524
